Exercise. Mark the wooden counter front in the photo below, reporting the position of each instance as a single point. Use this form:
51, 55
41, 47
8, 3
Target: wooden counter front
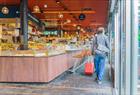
34, 69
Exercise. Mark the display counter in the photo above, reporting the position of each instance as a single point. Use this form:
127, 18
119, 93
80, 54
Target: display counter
35, 68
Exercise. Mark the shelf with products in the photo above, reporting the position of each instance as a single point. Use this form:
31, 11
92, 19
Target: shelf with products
35, 49
33, 53
38, 49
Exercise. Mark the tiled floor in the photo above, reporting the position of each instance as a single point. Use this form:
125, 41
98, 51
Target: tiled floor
66, 84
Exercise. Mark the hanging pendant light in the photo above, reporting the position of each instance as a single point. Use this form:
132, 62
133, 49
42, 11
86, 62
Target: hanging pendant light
5, 10
60, 15
68, 21
78, 27
36, 9
45, 6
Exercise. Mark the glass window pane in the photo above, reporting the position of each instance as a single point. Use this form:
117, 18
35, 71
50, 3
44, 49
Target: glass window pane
139, 47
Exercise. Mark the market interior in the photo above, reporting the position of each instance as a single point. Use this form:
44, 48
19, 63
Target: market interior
40, 33
52, 21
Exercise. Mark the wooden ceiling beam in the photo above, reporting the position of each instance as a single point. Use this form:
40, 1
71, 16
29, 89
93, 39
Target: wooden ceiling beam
64, 24
67, 12
50, 19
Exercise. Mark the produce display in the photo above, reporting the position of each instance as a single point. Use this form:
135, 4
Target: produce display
7, 46
35, 49
23, 53
35, 46
40, 46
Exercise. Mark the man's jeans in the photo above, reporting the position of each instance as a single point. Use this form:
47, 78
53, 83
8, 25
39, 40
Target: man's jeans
99, 62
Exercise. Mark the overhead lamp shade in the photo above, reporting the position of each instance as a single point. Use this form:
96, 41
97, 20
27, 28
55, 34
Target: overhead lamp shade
78, 27
5, 10
68, 21
82, 29
74, 25
60, 15
45, 6
57, 1
36, 9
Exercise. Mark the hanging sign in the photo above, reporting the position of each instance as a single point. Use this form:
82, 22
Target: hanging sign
82, 16
51, 32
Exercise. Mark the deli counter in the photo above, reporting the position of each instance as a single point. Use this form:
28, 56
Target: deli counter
35, 65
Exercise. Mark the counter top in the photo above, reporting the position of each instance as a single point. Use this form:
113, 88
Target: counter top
35, 69
38, 55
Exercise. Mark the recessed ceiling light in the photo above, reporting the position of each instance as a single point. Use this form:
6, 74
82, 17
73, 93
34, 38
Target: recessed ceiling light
82, 29
77, 33
68, 21
57, 2
36, 9
60, 15
45, 6
74, 25
78, 27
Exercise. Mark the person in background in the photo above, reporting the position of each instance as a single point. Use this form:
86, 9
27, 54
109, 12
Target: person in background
101, 40
16, 36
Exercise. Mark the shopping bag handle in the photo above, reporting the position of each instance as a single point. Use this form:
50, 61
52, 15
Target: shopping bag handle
89, 59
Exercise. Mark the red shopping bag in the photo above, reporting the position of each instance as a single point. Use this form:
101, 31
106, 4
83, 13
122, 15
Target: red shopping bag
89, 68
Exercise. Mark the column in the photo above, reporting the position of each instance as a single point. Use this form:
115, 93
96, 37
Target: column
24, 23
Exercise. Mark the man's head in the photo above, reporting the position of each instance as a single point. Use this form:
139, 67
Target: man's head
100, 30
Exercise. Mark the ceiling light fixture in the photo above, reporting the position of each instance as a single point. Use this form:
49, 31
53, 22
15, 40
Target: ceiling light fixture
58, 2
77, 33
4, 9
45, 6
60, 15
78, 27
36, 9
82, 29
74, 25
68, 21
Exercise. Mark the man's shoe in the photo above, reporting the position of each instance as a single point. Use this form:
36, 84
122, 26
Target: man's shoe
99, 82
